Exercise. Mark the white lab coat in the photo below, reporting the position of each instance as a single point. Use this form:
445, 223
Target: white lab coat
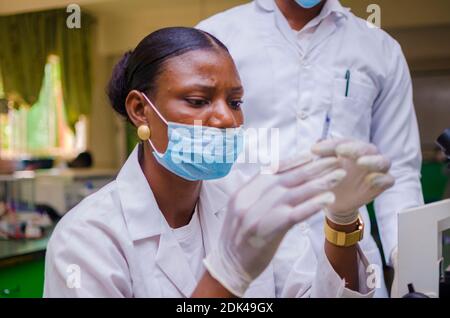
291, 80
116, 243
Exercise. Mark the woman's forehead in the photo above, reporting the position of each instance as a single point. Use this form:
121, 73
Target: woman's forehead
201, 67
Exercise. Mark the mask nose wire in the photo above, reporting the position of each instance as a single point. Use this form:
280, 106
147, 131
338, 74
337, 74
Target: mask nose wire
155, 109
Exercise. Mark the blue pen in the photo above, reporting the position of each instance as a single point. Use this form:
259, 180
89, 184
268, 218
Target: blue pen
326, 126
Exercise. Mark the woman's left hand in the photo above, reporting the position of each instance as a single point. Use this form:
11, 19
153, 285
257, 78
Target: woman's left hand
367, 176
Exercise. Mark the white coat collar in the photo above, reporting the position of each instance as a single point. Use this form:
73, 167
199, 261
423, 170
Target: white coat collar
142, 214
328, 21
331, 6
144, 220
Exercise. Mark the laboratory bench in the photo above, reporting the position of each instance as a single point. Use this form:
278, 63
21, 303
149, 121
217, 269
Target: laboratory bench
22, 261
22, 267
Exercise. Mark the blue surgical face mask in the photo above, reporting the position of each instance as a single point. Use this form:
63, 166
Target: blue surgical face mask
308, 4
196, 152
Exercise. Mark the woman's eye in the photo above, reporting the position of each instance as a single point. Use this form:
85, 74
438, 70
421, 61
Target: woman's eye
197, 102
236, 104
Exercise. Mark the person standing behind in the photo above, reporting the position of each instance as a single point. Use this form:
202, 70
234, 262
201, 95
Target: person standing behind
302, 61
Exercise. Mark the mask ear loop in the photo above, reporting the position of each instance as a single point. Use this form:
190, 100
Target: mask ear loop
161, 117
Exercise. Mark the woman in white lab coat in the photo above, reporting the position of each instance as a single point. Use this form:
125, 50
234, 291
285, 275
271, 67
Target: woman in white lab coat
161, 230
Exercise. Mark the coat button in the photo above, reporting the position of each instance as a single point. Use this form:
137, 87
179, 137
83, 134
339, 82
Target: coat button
304, 227
302, 115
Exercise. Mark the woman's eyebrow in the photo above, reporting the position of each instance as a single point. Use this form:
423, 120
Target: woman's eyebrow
201, 87
235, 89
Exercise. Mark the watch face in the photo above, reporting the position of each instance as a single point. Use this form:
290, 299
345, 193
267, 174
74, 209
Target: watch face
361, 227
360, 223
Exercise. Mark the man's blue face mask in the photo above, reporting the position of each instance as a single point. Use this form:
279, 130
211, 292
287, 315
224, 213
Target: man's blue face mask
307, 4
196, 152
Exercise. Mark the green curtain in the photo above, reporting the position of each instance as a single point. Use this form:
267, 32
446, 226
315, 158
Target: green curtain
26, 41
74, 49
38, 116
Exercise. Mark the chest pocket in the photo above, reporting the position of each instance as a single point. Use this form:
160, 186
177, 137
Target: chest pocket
352, 114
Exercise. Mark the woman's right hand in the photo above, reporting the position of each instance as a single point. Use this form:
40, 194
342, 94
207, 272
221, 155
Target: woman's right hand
261, 213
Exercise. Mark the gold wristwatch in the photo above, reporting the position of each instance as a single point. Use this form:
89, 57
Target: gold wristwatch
344, 239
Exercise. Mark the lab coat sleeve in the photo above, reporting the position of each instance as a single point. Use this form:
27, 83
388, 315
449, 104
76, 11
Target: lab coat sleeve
77, 267
299, 273
395, 131
294, 265
328, 284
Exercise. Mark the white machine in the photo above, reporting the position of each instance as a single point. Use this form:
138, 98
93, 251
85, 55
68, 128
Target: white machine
63, 189
60, 189
420, 247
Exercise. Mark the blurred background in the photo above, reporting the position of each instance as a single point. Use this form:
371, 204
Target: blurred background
60, 140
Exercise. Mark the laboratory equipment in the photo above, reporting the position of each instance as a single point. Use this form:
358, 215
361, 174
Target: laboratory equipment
19, 218
420, 244
443, 142
413, 294
62, 189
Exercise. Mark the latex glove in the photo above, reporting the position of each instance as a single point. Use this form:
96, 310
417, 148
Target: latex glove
260, 214
394, 262
367, 176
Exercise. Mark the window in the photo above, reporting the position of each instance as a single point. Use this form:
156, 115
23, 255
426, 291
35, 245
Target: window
42, 129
